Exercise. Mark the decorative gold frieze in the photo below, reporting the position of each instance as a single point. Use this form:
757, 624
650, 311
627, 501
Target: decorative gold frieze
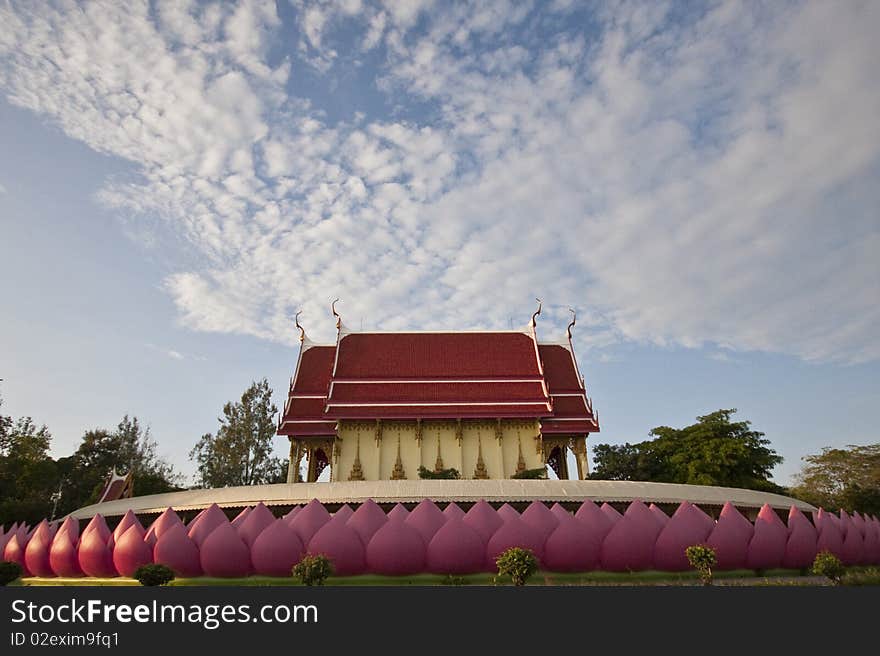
357, 472
499, 432
521, 461
419, 431
378, 433
398, 473
480, 472
459, 433
438, 464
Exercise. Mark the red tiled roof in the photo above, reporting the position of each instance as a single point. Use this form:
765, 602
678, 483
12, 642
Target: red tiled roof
437, 355
435, 375
437, 392
314, 370
437, 411
559, 368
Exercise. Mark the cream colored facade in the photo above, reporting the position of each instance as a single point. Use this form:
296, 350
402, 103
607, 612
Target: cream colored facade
478, 449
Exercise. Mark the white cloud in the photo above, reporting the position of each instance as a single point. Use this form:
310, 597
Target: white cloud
3, 189
711, 181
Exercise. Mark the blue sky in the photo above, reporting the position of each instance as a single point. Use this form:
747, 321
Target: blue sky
699, 180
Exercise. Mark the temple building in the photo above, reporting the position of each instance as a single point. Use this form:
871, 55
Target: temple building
489, 404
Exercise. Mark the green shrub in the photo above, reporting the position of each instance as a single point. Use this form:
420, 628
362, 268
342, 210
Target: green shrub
828, 565
151, 575
518, 563
443, 474
540, 472
702, 559
9, 571
451, 579
313, 569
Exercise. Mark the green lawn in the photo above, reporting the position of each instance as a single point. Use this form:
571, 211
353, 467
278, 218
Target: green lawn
540, 578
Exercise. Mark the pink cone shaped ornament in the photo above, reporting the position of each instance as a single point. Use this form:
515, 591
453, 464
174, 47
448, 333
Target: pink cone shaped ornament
684, 529
506, 511
131, 551
98, 524
4, 538
240, 517
540, 517
630, 543
484, 519
560, 512
730, 538
767, 546
800, 550
344, 513
63, 558
308, 520
830, 538
289, 517
453, 510
175, 549
342, 545
399, 511
707, 520
206, 523
572, 547
853, 545
514, 532
456, 548
129, 519
661, 516
367, 519
426, 518
36, 554
163, 523
594, 519
396, 550
95, 557
872, 542
14, 552
276, 550
255, 523
224, 554
69, 526
611, 513
859, 522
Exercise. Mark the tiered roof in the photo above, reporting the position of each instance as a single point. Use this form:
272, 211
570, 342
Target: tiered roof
436, 375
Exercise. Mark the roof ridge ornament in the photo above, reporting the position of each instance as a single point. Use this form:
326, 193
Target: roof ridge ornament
335, 313
534, 321
302, 331
574, 317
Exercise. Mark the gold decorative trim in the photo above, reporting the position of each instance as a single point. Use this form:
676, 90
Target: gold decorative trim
521, 461
357, 472
480, 472
398, 473
419, 431
438, 464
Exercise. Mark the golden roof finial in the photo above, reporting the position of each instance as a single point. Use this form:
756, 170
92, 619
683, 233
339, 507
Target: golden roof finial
302, 332
574, 317
335, 313
537, 312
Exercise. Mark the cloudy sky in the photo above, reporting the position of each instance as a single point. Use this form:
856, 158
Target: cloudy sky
699, 180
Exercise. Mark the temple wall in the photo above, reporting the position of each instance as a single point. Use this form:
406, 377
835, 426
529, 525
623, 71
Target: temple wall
377, 461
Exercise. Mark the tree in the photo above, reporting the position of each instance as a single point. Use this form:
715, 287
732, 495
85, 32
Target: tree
847, 479
241, 451
713, 451
28, 474
129, 448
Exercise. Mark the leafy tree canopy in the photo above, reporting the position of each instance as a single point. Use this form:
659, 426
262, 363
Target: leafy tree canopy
847, 479
713, 451
28, 474
240, 453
